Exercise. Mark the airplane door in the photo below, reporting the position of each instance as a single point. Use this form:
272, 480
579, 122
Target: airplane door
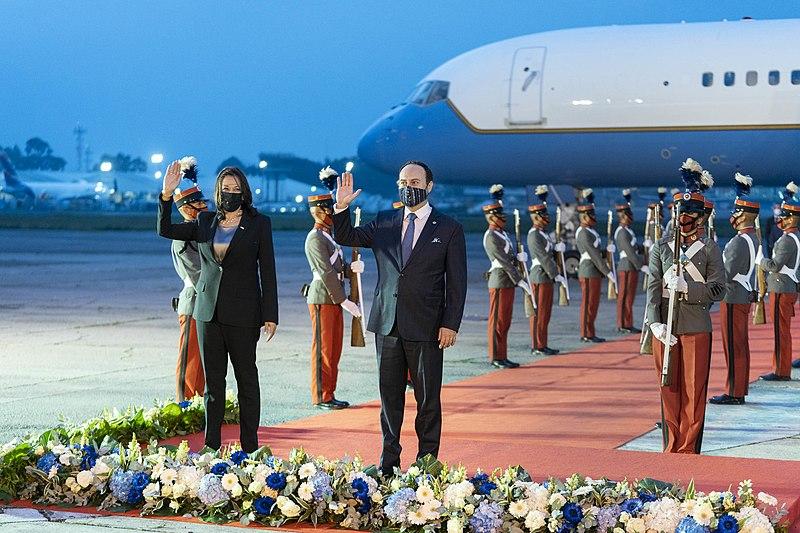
525, 91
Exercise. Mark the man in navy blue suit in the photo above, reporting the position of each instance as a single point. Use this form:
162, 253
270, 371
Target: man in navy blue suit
418, 302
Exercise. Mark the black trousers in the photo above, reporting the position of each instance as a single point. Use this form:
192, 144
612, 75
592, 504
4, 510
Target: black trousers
423, 360
217, 343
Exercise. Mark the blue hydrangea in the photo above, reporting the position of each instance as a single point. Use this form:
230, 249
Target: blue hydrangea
727, 524
127, 486
632, 506
566, 527
486, 518
220, 469
365, 506
184, 404
263, 505
211, 491
572, 513
276, 481
397, 504
689, 525
238, 457
89, 457
270, 461
607, 517
46, 462
360, 487
321, 482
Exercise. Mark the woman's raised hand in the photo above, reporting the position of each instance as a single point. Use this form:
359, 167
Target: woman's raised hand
171, 179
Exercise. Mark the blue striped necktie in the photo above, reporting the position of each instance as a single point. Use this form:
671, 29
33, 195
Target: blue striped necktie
408, 238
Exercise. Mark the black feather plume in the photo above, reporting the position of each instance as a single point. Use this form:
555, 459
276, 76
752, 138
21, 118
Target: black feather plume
691, 180
497, 191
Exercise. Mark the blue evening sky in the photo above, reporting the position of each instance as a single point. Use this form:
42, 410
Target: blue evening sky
235, 77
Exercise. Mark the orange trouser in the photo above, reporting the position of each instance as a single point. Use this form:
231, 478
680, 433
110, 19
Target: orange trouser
683, 402
501, 305
590, 299
628, 281
543, 292
327, 329
782, 312
189, 378
735, 319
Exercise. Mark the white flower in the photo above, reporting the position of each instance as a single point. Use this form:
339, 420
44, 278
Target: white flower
635, 525
191, 477
236, 491
663, 515
754, 520
100, 468
65, 458
518, 509
456, 494
169, 475
85, 478
229, 481
306, 491
166, 491
703, 514
39, 450
377, 497
307, 470
765, 498
256, 487
291, 478
69, 482
469, 509
424, 493
582, 491
414, 471
151, 491
58, 449
396, 485
417, 517
188, 161
288, 507
535, 520
53, 472
691, 164
174, 505
337, 507
454, 526
538, 497
557, 501
178, 490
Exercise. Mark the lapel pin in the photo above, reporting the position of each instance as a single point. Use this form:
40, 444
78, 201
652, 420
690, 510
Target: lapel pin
433, 222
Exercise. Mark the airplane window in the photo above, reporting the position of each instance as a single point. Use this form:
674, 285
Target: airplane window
438, 92
730, 78
774, 77
796, 77
751, 78
420, 93
708, 79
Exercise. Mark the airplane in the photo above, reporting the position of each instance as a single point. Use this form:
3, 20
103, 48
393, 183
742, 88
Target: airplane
13, 190
606, 106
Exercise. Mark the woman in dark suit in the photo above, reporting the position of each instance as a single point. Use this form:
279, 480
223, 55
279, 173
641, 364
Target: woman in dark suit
237, 294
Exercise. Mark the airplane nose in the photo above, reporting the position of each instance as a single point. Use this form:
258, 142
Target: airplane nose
374, 143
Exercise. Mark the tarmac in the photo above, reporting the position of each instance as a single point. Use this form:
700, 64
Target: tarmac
88, 325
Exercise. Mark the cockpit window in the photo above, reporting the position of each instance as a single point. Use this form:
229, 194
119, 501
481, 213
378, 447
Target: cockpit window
429, 92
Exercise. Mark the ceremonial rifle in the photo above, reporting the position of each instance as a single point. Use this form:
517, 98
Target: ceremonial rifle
648, 234
645, 339
612, 287
356, 295
530, 303
563, 290
712, 233
666, 367
759, 317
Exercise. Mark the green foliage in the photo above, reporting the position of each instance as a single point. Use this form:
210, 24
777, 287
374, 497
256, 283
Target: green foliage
124, 163
38, 155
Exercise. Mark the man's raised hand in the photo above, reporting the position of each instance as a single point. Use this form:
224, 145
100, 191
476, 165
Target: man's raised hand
344, 191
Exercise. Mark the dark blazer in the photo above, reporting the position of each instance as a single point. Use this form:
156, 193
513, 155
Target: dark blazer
430, 291
242, 290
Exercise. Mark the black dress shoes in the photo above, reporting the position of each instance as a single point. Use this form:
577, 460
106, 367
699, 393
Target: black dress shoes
772, 376
504, 363
796, 363
592, 339
544, 351
341, 402
725, 399
629, 330
332, 405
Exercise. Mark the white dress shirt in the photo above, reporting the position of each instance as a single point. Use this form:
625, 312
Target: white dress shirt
423, 213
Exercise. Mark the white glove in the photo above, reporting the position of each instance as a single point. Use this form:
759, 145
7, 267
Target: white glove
759, 256
659, 331
351, 308
560, 247
524, 286
522, 257
560, 279
669, 274
678, 283
611, 248
648, 243
612, 278
645, 269
357, 267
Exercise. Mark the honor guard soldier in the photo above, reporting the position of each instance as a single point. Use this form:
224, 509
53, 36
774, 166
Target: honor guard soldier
740, 261
679, 294
782, 287
503, 277
326, 297
630, 263
592, 267
543, 272
189, 376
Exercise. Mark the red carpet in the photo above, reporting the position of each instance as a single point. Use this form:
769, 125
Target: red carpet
558, 416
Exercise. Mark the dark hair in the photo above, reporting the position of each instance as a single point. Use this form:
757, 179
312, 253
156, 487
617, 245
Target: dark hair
426, 168
247, 195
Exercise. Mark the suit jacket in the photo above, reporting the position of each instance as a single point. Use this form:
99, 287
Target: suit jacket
738, 262
783, 260
503, 273
593, 264
692, 315
186, 260
625, 241
242, 290
328, 268
430, 290
543, 263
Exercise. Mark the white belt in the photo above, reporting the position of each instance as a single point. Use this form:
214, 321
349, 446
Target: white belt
585, 257
316, 277
623, 255
792, 272
535, 262
187, 282
495, 265
744, 279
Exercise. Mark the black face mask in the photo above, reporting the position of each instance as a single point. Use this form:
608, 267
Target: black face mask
411, 196
231, 201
